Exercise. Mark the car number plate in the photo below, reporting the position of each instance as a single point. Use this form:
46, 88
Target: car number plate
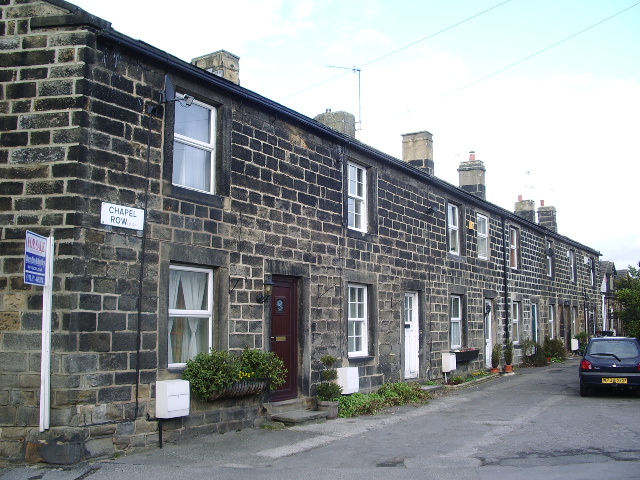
614, 380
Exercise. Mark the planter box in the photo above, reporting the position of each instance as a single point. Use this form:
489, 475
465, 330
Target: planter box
331, 407
240, 389
467, 355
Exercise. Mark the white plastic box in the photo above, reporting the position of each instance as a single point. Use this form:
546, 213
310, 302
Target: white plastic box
172, 398
349, 379
448, 362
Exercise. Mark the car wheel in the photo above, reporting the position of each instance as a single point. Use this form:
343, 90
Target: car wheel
584, 390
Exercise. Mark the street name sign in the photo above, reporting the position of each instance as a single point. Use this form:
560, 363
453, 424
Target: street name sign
120, 216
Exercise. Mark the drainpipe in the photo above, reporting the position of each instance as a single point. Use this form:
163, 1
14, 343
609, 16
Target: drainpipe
506, 280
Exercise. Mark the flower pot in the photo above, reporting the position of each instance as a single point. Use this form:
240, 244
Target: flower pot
508, 368
495, 370
331, 407
242, 388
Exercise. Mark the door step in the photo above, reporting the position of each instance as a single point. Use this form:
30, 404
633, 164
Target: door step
298, 417
295, 412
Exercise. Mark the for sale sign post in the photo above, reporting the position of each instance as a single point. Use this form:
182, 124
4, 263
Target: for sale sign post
35, 259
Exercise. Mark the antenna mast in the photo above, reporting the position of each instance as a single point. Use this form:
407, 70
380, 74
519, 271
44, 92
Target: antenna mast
355, 70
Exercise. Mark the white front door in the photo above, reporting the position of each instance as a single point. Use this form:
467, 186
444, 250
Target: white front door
411, 341
488, 344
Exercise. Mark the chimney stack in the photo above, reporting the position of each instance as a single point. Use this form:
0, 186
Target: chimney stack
526, 209
343, 122
547, 217
417, 150
472, 176
220, 63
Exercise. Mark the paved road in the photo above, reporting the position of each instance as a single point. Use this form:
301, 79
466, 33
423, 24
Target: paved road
532, 425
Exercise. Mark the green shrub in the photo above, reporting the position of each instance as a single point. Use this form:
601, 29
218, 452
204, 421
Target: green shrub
328, 391
213, 371
533, 354
388, 395
508, 354
557, 348
496, 353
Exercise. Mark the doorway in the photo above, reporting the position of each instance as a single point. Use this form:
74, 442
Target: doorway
411, 338
284, 333
488, 335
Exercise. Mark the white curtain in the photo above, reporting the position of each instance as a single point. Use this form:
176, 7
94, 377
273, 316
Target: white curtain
191, 166
193, 287
174, 282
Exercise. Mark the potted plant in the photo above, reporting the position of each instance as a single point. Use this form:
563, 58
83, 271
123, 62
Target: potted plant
508, 357
328, 391
221, 374
495, 358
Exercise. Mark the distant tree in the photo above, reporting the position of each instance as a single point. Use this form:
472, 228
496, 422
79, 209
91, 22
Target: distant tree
628, 295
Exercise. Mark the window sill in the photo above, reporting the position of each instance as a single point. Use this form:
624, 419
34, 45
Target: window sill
360, 235
195, 196
363, 359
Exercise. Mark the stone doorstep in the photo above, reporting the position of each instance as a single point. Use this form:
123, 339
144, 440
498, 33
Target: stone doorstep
297, 417
303, 403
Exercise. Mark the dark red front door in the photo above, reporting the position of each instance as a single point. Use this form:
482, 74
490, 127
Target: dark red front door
284, 333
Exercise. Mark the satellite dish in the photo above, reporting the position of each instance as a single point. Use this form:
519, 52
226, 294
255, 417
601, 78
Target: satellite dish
169, 92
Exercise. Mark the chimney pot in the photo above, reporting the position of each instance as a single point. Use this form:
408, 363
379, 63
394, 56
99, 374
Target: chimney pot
519, 198
417, 150
472, 156
220, 63
542, 203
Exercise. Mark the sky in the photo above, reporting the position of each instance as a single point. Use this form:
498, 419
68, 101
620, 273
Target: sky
546, 92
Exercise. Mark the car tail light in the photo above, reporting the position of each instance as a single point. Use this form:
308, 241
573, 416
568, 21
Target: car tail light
639, 367
586, 365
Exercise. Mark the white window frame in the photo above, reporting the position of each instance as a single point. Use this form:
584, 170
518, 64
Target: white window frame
515, 322
514, 246
184, 313
453, 228
535, 319
455, 317
572, 265
198, 144
552, 321
356, 197
358, 321
483, 236
549, 258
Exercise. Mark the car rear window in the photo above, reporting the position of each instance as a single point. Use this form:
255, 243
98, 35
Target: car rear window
619, 348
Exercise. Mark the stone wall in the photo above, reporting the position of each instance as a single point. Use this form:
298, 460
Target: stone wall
82, 126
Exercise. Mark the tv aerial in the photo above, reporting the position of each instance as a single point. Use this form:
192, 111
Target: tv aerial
354, 69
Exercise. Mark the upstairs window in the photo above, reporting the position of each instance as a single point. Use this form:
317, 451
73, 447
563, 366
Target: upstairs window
194, 147
514, 247
483, 237
357, 197
453, 228
549, 256
572, 265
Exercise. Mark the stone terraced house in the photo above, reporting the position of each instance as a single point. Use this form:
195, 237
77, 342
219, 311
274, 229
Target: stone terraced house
173, 195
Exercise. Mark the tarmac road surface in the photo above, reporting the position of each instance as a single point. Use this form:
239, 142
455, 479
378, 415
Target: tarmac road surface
531, 425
